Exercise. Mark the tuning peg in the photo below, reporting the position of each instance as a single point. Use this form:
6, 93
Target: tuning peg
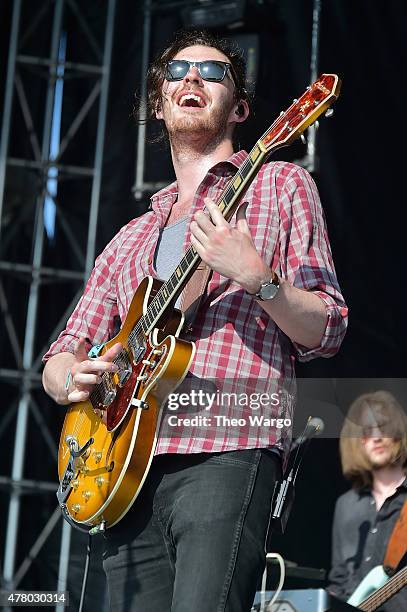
329, 112
303, 139
316, 124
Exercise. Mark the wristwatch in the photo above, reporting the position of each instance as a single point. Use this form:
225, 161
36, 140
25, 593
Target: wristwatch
269, 289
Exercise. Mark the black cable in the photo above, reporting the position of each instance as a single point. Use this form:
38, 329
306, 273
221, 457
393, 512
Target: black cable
85, 573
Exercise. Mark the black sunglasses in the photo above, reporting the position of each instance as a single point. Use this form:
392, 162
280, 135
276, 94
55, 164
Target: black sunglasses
209, 70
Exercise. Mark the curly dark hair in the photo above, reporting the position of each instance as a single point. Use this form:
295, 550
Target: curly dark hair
187, 37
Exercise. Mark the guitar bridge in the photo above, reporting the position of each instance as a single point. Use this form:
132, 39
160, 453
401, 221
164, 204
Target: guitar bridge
76, 452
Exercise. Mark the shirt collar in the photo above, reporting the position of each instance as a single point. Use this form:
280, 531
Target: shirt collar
368, 490
162, 201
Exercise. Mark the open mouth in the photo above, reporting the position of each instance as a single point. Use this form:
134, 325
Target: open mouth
191, 100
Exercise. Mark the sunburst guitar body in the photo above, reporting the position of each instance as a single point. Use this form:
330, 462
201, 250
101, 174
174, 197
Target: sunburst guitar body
99, 485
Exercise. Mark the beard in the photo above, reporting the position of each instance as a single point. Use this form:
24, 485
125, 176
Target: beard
202, 133
385, 459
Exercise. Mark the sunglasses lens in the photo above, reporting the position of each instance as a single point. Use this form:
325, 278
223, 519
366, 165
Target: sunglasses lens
176, 70
212, 71
209, 71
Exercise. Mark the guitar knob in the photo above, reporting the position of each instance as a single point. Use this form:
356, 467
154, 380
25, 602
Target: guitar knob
99, 480
97, 455
87, 494
76, 508
75, 484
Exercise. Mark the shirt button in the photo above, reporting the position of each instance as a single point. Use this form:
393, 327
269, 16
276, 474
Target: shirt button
367, 559
374, 530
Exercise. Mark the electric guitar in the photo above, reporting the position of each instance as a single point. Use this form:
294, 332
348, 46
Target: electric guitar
102, 466
376, 588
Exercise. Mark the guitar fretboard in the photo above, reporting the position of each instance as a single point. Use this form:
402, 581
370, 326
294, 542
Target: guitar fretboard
391, 587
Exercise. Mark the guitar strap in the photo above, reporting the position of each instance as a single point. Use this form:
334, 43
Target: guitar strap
193, 292
396, 548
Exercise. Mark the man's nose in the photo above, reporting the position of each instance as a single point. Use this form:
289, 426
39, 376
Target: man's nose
193, 75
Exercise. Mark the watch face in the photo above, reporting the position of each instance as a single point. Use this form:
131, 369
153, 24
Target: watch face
267, 292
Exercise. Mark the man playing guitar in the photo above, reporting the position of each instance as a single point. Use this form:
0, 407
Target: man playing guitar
373, 447
194, 537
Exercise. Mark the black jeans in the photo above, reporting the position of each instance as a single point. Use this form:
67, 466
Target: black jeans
194, 539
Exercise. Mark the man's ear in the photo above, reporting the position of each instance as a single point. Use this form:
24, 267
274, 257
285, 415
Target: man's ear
240, 112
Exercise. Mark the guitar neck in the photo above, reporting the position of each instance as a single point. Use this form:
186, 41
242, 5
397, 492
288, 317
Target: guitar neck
392, 586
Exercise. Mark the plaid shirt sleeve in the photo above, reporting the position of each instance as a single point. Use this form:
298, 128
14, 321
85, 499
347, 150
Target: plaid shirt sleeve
306, 258
94, 314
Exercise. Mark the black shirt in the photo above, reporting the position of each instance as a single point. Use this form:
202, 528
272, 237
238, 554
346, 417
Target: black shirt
359, 541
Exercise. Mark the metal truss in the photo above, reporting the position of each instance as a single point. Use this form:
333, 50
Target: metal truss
141, 186
35, 158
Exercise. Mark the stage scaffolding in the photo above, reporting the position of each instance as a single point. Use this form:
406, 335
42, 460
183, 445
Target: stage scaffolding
36, 156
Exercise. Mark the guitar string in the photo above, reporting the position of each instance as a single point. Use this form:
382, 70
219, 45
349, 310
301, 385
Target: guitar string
391, 587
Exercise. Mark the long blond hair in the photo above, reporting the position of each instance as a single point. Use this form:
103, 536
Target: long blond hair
355, 464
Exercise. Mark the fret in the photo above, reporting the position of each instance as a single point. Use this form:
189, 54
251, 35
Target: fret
384, 593
161, 297
229, 195
189, 255
169, 284
140, 333
173, 280
145, 321
246, 168
237, 181
254, 153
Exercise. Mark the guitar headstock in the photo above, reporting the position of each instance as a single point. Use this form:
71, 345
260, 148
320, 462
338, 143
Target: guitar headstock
302, 112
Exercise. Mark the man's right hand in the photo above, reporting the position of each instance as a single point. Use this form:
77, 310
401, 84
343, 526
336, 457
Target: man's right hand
86, 372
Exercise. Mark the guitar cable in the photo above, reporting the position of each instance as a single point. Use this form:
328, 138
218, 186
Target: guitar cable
281, 563
85, 573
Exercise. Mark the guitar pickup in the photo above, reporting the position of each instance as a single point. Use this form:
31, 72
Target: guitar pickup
123, 376
138, 353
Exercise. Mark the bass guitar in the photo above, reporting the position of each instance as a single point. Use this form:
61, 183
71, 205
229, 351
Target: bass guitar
102, 464
376, 588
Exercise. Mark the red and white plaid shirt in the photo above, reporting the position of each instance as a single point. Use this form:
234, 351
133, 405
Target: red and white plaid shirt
239, 348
